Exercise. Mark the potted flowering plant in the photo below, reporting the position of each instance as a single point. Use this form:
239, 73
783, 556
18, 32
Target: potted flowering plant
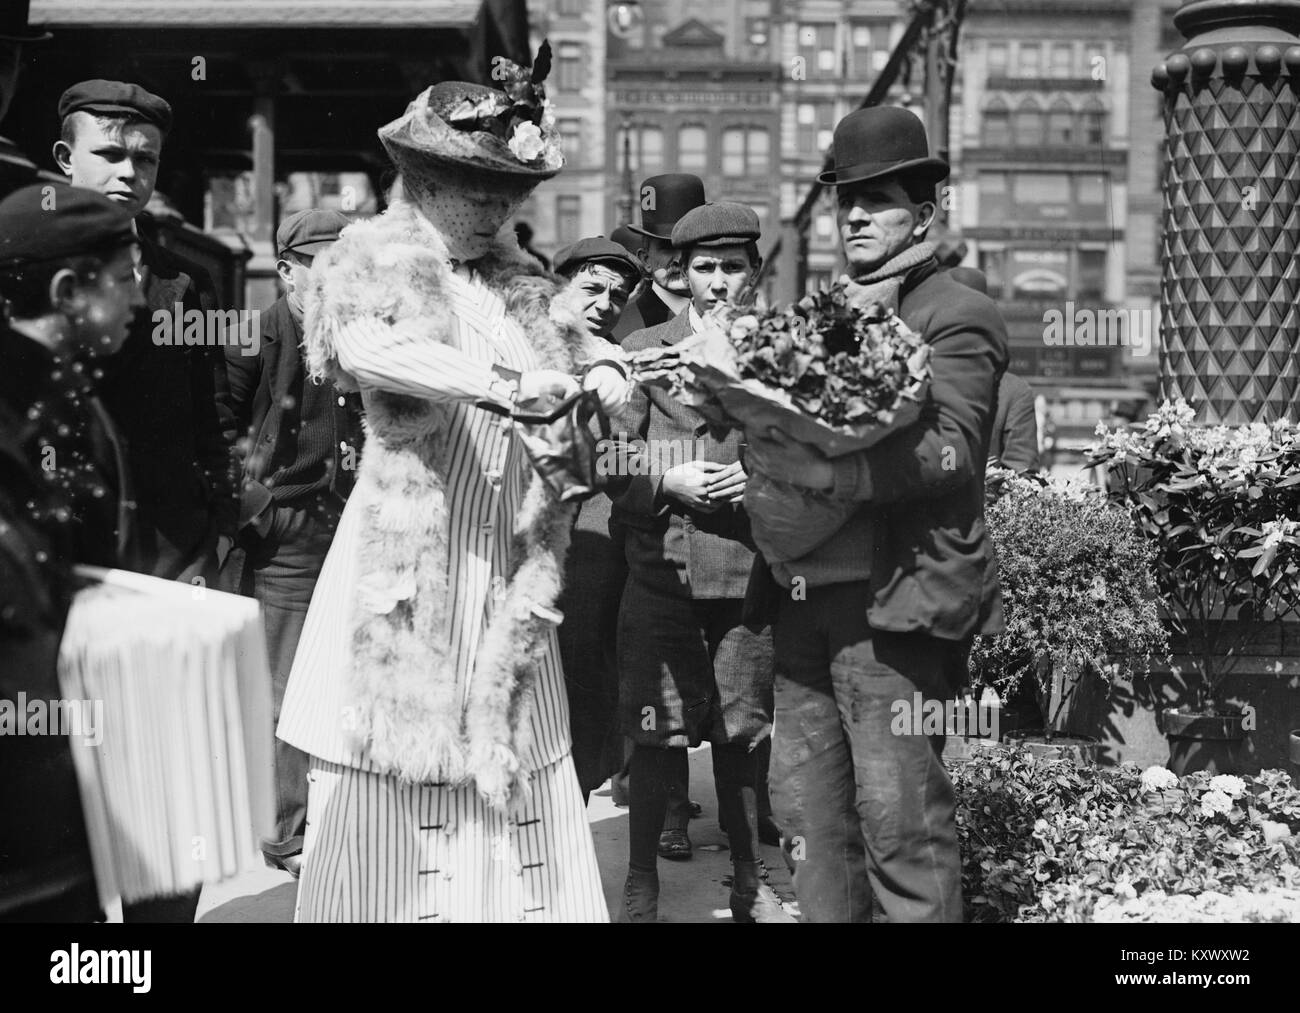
1078, 594
1218, 505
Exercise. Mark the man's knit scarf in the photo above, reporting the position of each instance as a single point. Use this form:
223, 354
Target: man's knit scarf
884, 283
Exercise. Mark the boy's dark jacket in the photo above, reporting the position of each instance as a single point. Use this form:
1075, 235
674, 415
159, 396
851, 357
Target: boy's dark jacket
933, 568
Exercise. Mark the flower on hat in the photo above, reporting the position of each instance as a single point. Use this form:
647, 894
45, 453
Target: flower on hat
526, 143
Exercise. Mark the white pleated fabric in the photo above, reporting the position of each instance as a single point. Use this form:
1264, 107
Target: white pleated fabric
368, 841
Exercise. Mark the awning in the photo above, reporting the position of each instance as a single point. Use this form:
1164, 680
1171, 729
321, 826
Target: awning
255, 13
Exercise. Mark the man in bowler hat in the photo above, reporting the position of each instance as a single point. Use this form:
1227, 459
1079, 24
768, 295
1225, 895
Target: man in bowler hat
889, 603
664, 199
300, 448
170, 400
16, 169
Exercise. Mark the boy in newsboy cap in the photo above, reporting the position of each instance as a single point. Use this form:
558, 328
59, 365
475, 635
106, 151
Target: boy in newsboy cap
893, 597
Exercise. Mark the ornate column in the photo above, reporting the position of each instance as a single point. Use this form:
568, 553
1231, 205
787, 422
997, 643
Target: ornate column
1230, 284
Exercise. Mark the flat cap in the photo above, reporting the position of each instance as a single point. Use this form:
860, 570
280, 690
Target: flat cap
723, 223
310, 231
601, 251
50, 221
116, 97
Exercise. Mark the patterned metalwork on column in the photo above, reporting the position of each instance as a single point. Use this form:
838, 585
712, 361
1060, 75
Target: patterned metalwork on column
1230, 288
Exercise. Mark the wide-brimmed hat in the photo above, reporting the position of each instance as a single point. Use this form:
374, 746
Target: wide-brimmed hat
881, 141
664, 199
13, 23
493, 135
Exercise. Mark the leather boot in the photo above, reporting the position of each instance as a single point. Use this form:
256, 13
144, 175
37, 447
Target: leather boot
640, 901
752, 900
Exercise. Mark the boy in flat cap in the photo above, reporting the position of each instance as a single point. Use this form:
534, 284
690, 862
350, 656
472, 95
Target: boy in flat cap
300, 444
68, 292
171, 401
893, 597
602, 275
689, 669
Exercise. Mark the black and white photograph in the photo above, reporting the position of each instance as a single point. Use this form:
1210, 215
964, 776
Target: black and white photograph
647, 461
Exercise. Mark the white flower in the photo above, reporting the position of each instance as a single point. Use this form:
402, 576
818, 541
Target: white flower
1124, 889
548, 115
1275, 531
1215, 801
1229, 784
1157, 778
526, 142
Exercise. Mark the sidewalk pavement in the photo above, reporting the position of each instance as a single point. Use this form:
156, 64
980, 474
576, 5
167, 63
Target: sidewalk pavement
690, 891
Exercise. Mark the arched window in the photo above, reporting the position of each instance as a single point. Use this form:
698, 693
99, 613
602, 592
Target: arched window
1028, 125
996, 127
1061, 124
692, 149
1094, 122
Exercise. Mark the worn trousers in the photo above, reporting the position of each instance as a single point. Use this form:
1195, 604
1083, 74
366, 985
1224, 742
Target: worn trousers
866, 804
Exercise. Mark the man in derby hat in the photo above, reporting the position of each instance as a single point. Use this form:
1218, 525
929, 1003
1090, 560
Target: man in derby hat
893, 597
16, 169
684, 653
300, 445
664, 199
170, 399
428, 671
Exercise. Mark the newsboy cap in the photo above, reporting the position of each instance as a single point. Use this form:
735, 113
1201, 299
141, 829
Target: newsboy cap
310, 231
881, 141
724, 223
116, 97
599, 250
51, 221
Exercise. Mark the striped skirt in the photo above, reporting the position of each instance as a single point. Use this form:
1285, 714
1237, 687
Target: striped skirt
381, 850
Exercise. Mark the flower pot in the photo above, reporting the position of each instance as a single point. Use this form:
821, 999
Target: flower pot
1082, 749
1209, 742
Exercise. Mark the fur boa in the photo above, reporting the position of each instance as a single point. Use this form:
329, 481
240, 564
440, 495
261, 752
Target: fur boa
410, 708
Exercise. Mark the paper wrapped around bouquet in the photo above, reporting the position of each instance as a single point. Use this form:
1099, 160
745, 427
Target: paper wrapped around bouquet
691, 372
179, 789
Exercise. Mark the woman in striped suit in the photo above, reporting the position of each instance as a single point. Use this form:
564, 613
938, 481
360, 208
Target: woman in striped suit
427, 686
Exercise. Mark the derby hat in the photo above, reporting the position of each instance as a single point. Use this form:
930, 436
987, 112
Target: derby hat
881, 141
626, 238
13, 23
476, 130
671, 196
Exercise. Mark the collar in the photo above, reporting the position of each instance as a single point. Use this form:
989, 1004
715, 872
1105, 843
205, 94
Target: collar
694, 318
675, 303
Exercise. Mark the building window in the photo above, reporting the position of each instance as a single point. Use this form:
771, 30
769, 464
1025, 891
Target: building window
746, 152
568, 67
1094, 123
1028, 132
817, 48
1090, 282
571, 139
1060, 124
996, 127
647, 149
1094, 56
572, 7
995, 204
997, 58
1062, 60
825, 226
756, 30
1029, 60
816, 127
870, 49
568, 219
1090, 190
693, 149
1044, 191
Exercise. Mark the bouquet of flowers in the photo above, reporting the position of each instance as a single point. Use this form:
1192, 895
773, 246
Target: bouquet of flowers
823, 371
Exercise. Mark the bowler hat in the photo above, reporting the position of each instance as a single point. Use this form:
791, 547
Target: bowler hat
626, 238
881, 141
99, 96
310, 231
13, 23
599, 250
664, 199
723, 223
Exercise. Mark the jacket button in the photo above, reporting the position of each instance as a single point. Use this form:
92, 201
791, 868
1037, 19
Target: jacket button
690, 528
